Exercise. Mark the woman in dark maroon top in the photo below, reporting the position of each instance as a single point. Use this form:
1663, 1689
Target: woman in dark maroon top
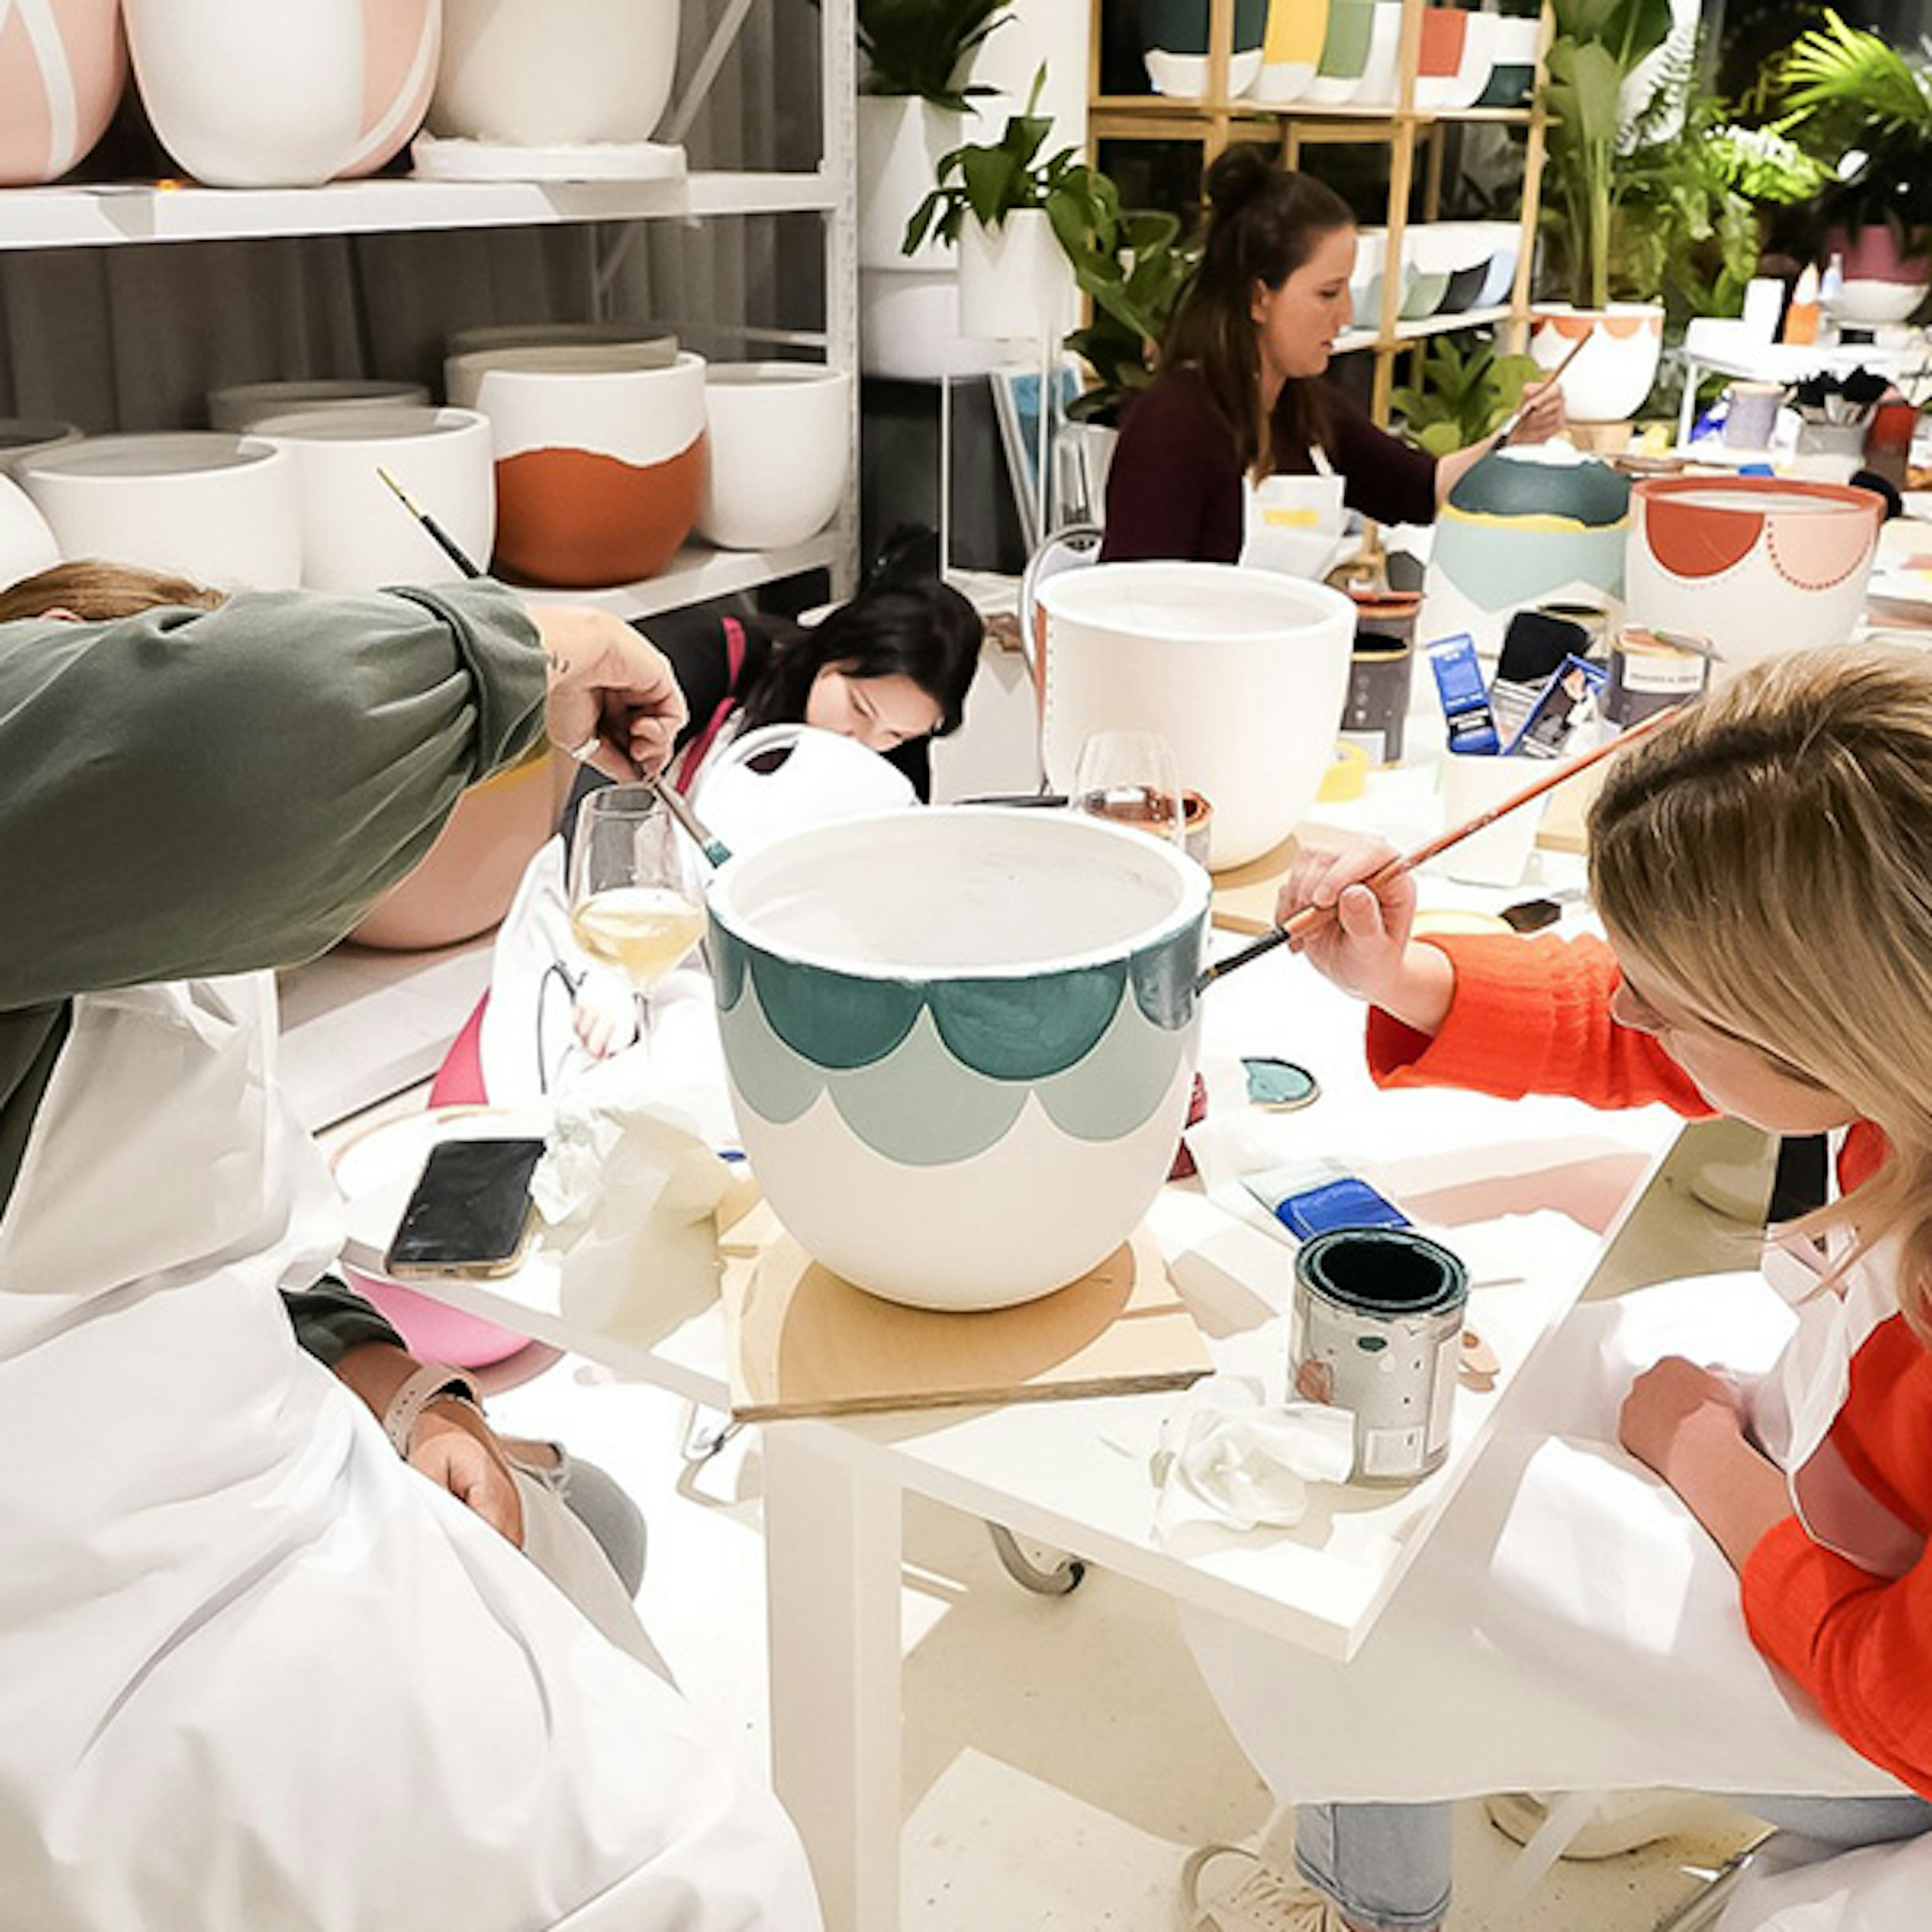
1240, 394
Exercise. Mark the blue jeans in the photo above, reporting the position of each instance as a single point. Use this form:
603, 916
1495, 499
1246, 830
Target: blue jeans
1387, 1866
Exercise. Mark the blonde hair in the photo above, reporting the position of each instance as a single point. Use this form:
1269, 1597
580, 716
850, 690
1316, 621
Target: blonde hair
1769, 852
97, 591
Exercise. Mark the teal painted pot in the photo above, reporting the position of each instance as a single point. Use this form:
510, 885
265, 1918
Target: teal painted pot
1174, 39
960, 1043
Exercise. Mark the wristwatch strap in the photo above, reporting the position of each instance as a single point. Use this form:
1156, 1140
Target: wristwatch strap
407, 1404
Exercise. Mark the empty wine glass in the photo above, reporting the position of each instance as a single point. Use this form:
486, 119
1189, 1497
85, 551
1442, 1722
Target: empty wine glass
630, 908
1131, 778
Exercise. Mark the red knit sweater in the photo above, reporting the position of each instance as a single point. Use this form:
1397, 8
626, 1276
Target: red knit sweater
1532, 1016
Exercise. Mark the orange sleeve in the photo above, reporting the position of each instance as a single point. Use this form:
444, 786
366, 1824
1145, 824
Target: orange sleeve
1857, 1643
1531, 1015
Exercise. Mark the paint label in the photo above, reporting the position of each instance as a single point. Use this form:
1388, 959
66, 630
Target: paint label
1392, 1452
1677, 673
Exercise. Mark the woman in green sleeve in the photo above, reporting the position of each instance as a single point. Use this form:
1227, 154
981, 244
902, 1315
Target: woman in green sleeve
254, 1673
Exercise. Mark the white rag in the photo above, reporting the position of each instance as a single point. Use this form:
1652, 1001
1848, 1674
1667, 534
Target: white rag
1228, 1458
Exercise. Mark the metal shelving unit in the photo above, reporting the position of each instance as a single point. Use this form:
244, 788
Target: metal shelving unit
1412, 134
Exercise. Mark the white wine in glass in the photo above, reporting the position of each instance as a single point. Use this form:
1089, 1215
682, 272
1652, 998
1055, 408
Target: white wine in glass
629, 907
1130, 779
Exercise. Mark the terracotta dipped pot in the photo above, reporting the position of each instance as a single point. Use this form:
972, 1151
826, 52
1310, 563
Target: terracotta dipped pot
466, 881
1609, 381
601, 457
402, 40
63, 64
1760, 565
960, 1043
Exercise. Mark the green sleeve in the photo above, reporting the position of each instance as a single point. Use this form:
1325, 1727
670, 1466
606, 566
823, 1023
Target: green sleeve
331, 1319
190, 792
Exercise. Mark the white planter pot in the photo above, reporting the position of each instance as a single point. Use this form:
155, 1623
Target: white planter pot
1015, 283
780, 436
403, 42
1244, 672
909, 328
220, 509
25, 436
27, 542
1608, 382
600, 457
244, 95
239, 407
901, 139
356, 535
63, 64
545, 73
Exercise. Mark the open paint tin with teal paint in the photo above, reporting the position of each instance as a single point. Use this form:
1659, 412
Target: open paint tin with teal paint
1378, 1331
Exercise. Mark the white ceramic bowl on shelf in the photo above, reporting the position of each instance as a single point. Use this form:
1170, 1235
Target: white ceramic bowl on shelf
220, 509
780, 437
356, 535
239, 406
25, 436
26, 541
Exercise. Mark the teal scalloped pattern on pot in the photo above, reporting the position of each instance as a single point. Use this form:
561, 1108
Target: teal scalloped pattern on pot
922, 1105
1009, 1028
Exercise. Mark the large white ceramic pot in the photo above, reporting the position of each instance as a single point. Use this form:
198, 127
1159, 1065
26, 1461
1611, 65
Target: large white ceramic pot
245, 95
239, 407
26, 540
1014, 282
909, 327
63, 64
1174, 41
1244, 672
356, 534
780, 438
1758, 565
1610, 379
466, 881
900, 139
960, 1043
545, 73
1525, 525
637, 336
26, 436
1291, 50
220, 509
1380, 85
402, 40
600, 457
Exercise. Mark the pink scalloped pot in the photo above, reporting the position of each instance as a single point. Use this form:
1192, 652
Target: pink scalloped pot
401, 40
63, 64
1758, 565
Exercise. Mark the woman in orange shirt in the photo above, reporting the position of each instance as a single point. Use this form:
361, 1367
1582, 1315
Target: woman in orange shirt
1763, 866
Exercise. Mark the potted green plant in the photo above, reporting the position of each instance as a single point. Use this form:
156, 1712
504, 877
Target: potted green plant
916, 98
1598, 45
1462, 395
1132, 266
1021, 219
1864, 110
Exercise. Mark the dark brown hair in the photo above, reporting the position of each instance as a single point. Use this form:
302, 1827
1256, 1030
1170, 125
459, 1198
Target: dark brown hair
1264, 224
97, 591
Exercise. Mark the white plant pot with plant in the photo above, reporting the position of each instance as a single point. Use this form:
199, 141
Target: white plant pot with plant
1015, 283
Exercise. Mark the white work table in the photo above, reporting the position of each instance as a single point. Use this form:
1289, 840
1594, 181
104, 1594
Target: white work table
1077, 1474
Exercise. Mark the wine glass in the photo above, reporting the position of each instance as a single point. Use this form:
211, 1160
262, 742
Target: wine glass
1130, 778
630, 908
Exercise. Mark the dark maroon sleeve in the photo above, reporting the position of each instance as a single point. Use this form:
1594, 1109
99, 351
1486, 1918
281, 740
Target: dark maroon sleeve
1174, 489
1388, 480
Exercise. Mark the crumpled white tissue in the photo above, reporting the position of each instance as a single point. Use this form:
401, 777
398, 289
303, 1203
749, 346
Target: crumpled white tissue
1228, 1458
632, 1200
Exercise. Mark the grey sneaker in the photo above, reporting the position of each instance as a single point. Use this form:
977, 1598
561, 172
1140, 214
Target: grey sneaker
1229, 1888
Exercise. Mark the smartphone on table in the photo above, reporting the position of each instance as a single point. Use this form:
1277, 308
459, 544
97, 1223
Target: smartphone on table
471, 1212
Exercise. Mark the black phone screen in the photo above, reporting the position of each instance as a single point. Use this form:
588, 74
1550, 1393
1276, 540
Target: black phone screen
470, 1207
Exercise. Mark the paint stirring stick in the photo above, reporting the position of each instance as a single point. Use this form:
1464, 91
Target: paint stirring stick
450, 548
1296, 931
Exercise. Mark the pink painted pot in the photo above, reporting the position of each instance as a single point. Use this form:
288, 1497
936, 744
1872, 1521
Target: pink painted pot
63, 64
1758, 565
401, 40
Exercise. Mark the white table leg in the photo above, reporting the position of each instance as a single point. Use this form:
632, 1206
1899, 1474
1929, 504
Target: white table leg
832, 1554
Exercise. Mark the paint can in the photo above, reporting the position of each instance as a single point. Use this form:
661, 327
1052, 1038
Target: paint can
1380, 672
1378, 1331
1651, 670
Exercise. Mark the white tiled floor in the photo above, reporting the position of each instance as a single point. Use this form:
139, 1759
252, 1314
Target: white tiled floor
1066, 1802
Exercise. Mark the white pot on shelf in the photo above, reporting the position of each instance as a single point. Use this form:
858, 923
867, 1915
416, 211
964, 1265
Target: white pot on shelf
27, 543
779, 434
1611, 378
1014, 283
244, 95
241, 406
901, 139
24, 435
538, 73
356, 535
909, 327
220, 509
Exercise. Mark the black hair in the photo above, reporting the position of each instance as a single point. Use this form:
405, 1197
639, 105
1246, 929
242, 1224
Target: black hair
1264, 222
902, 623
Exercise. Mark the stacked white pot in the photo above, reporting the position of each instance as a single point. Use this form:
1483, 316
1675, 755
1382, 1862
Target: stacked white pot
238, 408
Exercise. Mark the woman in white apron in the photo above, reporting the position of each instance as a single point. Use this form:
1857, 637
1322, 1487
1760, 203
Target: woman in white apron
1241, 397
1576, 1624
255, 1672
